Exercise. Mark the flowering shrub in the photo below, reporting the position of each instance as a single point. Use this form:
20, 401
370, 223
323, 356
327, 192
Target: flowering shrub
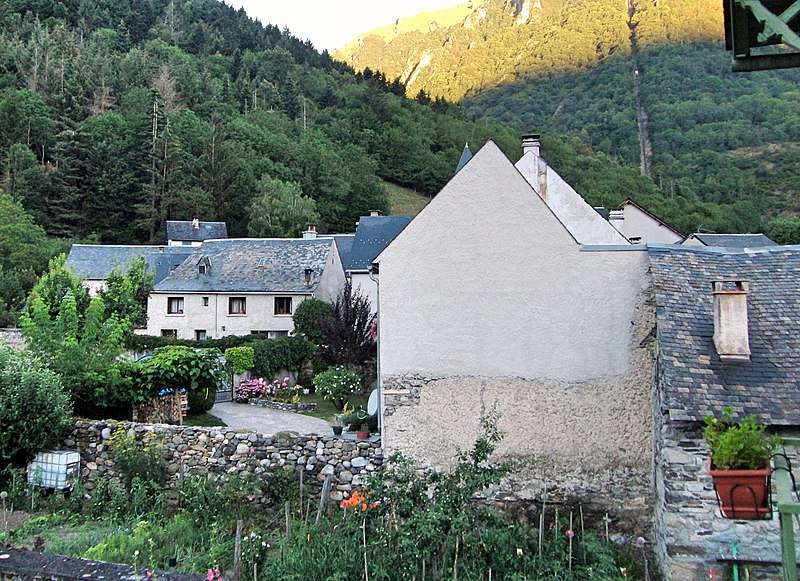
337, 384
278, 389
359, 500
251, 388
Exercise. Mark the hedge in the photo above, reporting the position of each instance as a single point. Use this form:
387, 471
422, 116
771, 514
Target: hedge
272, 355
152, 342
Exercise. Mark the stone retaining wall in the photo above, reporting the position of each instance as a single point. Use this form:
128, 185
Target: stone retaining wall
283, 406
216, 451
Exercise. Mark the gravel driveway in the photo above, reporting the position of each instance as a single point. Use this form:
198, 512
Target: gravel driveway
267, 421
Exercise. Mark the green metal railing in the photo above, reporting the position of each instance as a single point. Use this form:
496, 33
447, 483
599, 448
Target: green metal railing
788, 509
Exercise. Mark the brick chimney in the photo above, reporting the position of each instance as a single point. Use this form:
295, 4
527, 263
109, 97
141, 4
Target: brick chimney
311, 232
731, 338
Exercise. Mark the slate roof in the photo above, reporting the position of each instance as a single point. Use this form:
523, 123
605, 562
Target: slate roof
183, 230
694, 382
251, 265
373, 234
734, 240
95, 261
344, 243
466, 155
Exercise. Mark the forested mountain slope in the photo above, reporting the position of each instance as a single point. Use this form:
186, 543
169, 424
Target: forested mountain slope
116, 115
646, 82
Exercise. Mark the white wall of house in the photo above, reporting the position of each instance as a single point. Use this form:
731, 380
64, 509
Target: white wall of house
692, 241
580, 218
487, 301
362, 282
639, 224
94, 286
332, 281
215, 319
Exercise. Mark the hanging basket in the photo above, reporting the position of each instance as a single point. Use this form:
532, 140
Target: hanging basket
743, 494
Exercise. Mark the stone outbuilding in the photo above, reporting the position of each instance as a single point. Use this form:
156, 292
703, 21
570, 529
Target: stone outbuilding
746, 357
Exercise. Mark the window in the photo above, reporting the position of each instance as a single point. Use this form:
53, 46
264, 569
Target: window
205, 301
175, 306
202, 269
200, 335
237, 306
276, 334
186, 242
283, 305
169, 333
265, 333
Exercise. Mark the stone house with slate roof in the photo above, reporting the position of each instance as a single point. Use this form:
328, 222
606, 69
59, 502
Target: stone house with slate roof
696, 376
194, 232
488, 301
244, 286
94, 262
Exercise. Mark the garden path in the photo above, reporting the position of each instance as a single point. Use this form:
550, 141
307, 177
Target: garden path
267, 421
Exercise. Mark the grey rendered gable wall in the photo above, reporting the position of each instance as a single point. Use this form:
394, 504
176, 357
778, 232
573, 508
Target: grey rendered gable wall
332, 280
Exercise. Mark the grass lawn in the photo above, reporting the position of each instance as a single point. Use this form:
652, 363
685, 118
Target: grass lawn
325, 409
404, 201
204, 420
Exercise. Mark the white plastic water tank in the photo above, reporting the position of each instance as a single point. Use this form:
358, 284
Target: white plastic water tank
55, 469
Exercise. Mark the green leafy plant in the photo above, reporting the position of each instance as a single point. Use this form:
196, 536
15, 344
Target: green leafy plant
138, 459
34, 408
337, 384
240, 358
307, 318
738, 445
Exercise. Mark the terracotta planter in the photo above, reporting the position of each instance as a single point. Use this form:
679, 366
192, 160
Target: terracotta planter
743, 494
362, 435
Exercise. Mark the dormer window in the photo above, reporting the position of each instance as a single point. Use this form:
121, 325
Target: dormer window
203, 265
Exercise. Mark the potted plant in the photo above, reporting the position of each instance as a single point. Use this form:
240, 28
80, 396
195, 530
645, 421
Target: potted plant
336, 423
363, 431
739, 465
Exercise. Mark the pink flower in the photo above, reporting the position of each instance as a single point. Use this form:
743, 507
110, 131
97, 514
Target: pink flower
252, 450
570, 533
251, 497
210, 575
149, 573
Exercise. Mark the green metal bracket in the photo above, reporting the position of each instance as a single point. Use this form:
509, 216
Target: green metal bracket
753, 24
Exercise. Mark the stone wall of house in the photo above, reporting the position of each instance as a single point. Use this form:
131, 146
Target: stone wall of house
216, 451
13, 337
582, 442
690, 531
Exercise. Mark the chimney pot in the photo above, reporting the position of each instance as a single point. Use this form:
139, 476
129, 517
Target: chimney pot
196, 224
731, 332
309, 274
311, 232
530, 142
375, 213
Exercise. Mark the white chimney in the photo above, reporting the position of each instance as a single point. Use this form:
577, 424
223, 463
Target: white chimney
730, 319
375, 213
530, 142
311, 232
196, 224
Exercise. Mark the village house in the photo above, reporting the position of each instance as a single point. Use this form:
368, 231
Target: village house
600, 360
244, 286
94, 262
640, 226
194, 232
521, 319
749, 360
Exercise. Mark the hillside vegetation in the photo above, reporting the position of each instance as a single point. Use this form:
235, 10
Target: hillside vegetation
646, 83
118, 115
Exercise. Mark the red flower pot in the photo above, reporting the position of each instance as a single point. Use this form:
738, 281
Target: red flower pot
362, 435
743, 494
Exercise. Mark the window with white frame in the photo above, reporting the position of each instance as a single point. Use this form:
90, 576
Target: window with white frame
283, 305
175, 305
237, 305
